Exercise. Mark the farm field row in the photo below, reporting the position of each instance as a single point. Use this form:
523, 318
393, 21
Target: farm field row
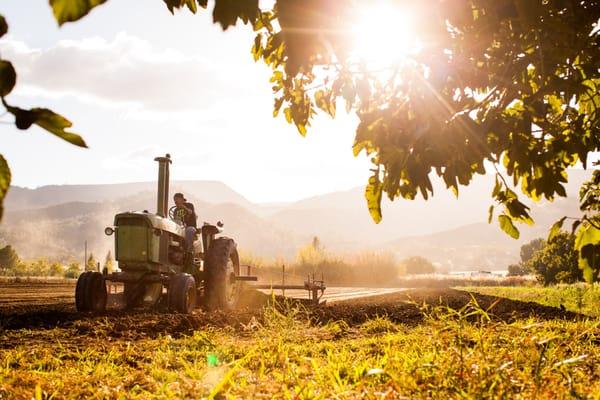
28, 295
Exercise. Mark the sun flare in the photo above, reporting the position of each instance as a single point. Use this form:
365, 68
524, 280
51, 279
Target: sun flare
383, 34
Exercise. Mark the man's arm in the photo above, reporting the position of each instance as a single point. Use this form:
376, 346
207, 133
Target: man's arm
189, 208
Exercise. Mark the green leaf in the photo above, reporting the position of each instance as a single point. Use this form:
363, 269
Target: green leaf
23, 118
587, 234
277, 106
490, 214
575, 225
72, 10
555, 230
47, 119
589, 262
320, 98
3, 26
587, 242
227, 12
364, 138
191, 4
5, 177
56, 124
497, 187
454, 189
288, 114
507, 226
373, 194
301, 129
257, 48
8, 78
276, 77
325, 102
172, 4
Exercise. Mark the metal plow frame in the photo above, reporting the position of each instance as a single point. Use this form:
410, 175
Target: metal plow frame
314, 287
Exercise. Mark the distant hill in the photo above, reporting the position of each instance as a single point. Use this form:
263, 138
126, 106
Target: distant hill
343, 216
54, 221
59, 231
471, 247
214, 192
479, 246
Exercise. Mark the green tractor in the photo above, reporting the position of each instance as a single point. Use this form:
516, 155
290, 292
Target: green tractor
155, 268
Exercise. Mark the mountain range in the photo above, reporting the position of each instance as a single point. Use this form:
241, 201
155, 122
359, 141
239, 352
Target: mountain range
55, 221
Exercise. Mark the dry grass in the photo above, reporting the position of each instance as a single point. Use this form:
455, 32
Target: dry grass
452, 353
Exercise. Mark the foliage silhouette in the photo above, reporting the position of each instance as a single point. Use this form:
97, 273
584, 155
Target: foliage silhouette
418, 265
504, 85
8, 258
556, 261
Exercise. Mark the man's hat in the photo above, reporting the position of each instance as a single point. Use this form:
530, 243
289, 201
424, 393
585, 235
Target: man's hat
179, 195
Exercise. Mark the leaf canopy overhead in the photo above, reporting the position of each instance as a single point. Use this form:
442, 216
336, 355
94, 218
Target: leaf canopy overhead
503, 84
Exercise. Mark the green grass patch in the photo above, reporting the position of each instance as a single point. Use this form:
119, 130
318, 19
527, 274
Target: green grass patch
579, 298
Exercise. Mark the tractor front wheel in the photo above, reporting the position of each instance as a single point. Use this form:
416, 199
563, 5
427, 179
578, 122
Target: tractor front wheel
182, 293
90, 292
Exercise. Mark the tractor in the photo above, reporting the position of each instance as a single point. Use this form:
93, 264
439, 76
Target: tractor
155, 268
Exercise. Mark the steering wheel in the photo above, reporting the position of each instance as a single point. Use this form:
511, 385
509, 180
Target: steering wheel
172, 214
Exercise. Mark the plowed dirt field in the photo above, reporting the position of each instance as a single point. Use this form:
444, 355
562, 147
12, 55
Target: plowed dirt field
36, 306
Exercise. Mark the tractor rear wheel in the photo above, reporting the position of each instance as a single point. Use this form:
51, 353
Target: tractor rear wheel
222, 266
182, 293
90, 292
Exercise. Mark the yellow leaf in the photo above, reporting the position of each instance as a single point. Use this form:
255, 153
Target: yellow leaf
373, 193
72, 10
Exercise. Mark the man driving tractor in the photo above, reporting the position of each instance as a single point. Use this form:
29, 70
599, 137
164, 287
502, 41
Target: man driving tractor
185, 213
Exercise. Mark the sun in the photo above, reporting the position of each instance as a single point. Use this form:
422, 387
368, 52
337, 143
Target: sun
383, 34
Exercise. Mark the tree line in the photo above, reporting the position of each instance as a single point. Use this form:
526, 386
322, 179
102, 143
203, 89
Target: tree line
12, 265
554, 260
378, 268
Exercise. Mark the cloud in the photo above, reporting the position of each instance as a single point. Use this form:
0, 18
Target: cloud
141, 158
133, 160
126, 71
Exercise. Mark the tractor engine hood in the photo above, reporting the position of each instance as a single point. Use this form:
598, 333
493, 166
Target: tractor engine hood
152, 220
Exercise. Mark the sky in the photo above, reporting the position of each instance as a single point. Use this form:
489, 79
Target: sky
138, 82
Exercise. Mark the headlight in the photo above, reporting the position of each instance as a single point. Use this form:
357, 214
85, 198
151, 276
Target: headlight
108, 231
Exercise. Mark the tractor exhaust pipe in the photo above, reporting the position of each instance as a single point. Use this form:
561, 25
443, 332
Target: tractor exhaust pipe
162, 198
